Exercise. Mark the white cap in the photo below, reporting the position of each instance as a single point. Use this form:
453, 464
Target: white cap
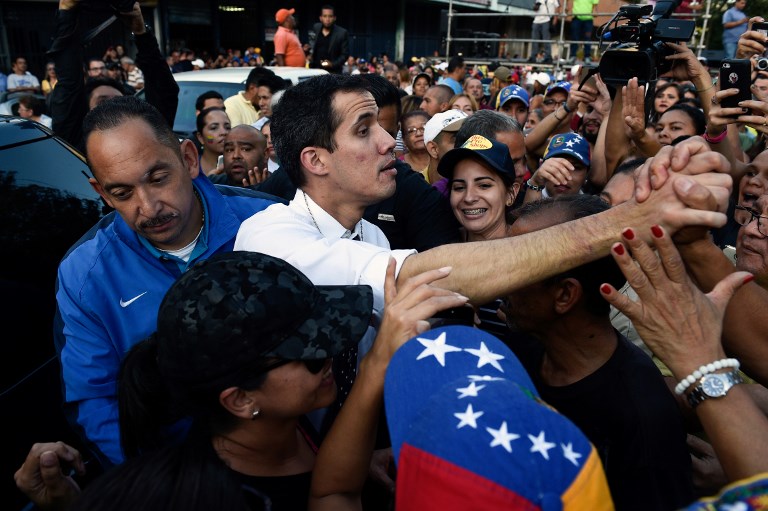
542, 78
199, 63
450, 120
442, 66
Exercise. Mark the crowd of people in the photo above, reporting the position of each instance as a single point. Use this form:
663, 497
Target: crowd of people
531, 273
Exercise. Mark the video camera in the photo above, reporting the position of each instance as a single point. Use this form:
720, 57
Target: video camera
637, 47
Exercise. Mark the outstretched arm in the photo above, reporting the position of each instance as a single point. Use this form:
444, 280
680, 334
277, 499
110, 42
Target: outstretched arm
486, 270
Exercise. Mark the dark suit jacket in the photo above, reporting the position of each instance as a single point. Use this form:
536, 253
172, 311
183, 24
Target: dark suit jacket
338, 47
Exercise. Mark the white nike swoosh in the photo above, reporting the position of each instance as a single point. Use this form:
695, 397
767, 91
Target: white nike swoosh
126, 304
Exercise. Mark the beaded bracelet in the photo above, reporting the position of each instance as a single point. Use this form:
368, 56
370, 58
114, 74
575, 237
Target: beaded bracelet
704, 370
716, 140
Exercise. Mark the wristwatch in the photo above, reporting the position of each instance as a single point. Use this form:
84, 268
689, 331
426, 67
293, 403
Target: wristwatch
529, 184
713, 386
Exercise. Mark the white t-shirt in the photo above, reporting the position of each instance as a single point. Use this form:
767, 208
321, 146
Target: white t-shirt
26, 80
547, 7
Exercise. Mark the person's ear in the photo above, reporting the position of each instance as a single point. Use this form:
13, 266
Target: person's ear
240, 403
432, 149
190, 158
512, 192
313, 160
568, 292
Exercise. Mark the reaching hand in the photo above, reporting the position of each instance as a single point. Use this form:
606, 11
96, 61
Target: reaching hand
680, 324
751, 42
685, 65
633, 108
256, 176
42, 476
407, 309
557, 171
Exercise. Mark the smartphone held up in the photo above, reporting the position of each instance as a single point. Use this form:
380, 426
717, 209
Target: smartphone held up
736, 74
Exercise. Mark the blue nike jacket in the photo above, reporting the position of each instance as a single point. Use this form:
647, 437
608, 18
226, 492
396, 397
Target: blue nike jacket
108, 292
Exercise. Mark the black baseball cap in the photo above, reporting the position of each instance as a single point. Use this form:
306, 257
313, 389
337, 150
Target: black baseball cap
244, 306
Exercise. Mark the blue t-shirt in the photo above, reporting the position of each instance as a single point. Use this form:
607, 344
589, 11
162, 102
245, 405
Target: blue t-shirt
732, 35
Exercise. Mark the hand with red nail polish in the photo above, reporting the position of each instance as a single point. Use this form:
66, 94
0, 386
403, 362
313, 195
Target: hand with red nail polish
680, 324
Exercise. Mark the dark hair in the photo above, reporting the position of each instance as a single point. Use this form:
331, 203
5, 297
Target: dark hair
486, 123
411, 115
444, 93
455, 63
384, 93
188, 476
329, 8
628, 167
32, 103
425, 76
91, 84
113, 113
17, 57
200, 119
410, 103
650, 105
696, 116
149, 401
304, 117
566, 208
273, 82
255, 75
202, 98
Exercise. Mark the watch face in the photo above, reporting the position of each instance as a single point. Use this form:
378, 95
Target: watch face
713, 386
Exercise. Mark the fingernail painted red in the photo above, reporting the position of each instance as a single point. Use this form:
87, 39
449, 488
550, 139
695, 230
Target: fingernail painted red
748, 279
656, 230
629, 234
606, 289
619, 249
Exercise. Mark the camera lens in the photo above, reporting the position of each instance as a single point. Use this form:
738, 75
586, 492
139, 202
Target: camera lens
762, 64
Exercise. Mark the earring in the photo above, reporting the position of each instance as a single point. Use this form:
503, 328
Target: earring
255, 414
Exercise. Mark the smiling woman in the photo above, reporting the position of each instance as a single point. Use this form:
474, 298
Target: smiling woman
482, 187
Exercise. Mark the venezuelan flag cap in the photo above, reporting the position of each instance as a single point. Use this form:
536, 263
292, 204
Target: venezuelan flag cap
469, 432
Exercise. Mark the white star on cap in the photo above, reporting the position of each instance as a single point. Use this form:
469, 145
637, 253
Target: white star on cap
502, 437
570, 143
436, 348
468, 418
486, 356
540, 445
570, 454
470, 391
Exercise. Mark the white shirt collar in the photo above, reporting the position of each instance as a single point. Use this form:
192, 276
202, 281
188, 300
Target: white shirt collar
329, 226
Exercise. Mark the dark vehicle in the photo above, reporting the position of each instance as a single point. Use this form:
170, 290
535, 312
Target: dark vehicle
46, 205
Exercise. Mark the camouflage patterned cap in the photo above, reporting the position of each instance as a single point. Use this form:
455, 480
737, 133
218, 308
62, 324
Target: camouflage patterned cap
239, 307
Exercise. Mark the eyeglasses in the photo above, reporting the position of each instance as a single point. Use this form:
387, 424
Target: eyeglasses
752, 216
411, 131
313, 366
550, 102
101, 68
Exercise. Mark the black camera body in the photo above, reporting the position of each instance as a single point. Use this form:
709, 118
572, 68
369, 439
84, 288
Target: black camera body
637, 47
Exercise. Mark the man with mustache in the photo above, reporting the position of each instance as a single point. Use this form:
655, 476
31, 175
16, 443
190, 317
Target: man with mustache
168, 217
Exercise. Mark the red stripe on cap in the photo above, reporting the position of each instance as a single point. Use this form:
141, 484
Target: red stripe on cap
425, 481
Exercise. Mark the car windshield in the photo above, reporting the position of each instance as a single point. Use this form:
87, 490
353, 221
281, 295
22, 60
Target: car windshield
188, 93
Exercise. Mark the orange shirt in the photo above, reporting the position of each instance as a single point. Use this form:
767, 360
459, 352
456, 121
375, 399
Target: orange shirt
287, 44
